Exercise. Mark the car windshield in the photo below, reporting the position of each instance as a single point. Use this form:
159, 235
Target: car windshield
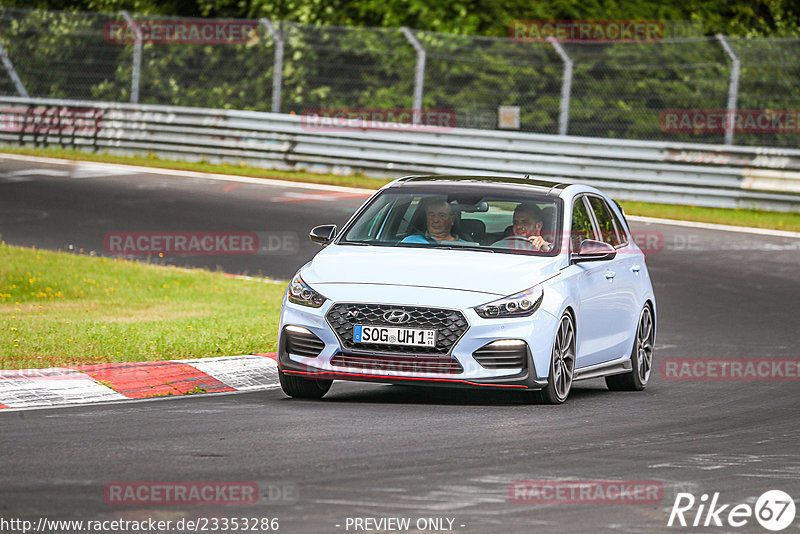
504, 221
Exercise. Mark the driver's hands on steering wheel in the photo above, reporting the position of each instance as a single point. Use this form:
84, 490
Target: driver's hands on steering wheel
537, 242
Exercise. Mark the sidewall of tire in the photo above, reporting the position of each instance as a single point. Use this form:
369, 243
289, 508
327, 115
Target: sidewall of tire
548, 395
295, 386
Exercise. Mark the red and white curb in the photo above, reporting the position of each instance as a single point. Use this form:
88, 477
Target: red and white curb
57, 386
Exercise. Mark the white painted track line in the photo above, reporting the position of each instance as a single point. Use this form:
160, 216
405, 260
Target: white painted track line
51, 387
242, 373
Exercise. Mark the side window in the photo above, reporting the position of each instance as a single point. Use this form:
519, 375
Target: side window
623, 238
581, 224
605, 220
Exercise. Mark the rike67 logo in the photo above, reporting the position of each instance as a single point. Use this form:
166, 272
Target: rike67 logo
774, 510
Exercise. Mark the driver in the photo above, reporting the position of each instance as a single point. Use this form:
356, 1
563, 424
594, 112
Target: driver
528, 221
439, 221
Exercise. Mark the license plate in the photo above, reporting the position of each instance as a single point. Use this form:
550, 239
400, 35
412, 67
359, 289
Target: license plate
392, 335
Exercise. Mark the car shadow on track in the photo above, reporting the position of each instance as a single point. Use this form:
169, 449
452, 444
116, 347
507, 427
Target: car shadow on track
402, 394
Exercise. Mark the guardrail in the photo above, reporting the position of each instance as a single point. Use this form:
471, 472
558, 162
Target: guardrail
680, 173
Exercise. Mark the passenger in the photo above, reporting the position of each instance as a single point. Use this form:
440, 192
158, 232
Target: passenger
528, 221
439, 221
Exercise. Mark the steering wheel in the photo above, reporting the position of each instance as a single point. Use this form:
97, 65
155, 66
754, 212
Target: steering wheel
519, 240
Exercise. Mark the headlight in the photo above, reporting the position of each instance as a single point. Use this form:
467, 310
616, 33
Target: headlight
519, 305
301, 293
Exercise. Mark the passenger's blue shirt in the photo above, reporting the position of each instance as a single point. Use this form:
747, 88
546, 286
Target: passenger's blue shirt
417, 239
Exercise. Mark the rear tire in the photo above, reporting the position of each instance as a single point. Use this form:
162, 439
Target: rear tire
641, 357
302, 388
562, 365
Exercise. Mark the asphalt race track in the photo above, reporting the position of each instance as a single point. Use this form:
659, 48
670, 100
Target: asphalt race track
388, 451
73, 207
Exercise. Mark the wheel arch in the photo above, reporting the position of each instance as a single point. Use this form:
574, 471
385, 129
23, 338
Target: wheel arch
571, 311
650, 302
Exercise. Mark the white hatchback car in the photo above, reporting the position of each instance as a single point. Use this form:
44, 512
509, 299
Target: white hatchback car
470, 281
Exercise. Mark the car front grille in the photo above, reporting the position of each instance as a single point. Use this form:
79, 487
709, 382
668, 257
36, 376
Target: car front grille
405, 364
450, 325
503, 354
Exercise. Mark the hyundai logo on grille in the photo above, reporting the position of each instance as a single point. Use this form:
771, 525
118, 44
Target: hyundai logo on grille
397, 316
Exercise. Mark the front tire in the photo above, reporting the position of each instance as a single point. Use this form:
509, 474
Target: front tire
562, 365
641, 357
302, 388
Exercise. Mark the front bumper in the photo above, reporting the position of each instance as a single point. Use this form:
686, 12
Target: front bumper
536, 331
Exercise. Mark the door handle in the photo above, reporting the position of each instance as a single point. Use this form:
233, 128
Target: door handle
610, 275
636, 268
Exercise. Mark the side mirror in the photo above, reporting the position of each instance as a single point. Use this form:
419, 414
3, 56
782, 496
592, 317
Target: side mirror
322, 235
592, 250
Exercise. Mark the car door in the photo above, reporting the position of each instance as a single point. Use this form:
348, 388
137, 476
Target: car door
597, 314
621, 301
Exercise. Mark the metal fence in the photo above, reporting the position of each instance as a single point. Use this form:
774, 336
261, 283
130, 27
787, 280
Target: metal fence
614, 90
695, 174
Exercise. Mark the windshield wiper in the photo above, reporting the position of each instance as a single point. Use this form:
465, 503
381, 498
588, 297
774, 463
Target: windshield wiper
462, 247
368, 243
416, 245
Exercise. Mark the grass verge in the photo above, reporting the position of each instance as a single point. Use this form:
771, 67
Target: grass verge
753, 218
736, 217
60, 309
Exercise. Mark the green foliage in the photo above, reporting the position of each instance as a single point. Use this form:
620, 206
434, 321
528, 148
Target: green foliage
757, 18
619, 90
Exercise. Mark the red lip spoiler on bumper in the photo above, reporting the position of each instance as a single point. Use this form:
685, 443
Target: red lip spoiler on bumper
328, 375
